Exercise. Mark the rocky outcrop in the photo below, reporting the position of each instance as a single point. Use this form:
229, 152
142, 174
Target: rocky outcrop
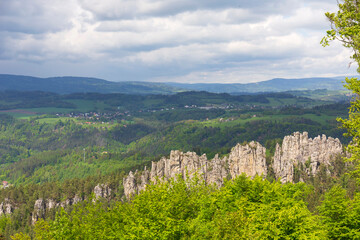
102, 191
41, 206
6, 207
39, 210
248, 159
298, 150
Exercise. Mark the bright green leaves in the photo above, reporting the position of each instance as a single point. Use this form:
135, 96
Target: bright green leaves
340, 214
179, 209
352, 124
345, 27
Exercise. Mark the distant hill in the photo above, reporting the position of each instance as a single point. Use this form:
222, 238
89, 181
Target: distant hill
274, 85
65, 85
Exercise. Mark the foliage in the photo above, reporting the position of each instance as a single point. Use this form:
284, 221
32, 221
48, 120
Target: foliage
130, 133
352, 124
242, 209
38, 151
341, 214
46, 160
345, 28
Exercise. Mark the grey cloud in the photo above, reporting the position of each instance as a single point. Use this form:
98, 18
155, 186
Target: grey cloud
129, 9
35, 16
166, 39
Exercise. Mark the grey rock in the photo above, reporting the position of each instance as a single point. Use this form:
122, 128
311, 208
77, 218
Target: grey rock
67, 202
39, 210
50, 204
6, 207
298, 149
130, 186
248, 159
76, 199
102, 191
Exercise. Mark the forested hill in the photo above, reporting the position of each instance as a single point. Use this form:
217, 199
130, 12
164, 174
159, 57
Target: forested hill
65, 85
274, 85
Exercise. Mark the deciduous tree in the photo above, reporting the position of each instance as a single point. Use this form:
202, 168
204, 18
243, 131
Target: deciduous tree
345, 27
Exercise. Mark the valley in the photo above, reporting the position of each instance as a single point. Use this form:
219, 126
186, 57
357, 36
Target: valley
56, 150
179, 120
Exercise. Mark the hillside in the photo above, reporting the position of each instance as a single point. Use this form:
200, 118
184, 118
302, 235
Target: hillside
87, 143
274, 85
65, 85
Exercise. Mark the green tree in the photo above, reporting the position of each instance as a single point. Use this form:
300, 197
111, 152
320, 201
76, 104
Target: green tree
345, 27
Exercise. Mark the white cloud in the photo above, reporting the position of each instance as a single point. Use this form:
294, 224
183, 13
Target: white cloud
182, 40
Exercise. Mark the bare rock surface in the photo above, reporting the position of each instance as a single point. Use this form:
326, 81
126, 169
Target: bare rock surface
249, 159
298, 149
43, 205
102, 191
39, 210
6, 207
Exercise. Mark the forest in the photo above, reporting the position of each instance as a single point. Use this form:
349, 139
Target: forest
63, 155
86, 158
56, 150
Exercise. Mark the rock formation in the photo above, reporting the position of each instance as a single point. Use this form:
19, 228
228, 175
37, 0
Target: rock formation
6, 207
298, 149
39, 210
41, 205
248, 159
101, 190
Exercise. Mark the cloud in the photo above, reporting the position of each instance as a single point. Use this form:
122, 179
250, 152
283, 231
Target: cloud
172, 40
36, 16
128, 9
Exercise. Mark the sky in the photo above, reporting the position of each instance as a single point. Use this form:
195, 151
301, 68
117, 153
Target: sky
202, 41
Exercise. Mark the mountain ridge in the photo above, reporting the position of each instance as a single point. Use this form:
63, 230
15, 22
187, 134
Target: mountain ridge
71, 84
272, 85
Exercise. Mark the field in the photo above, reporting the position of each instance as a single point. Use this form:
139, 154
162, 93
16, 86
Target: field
19, 113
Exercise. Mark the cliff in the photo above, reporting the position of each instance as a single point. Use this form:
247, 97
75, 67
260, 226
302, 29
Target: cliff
297, 150
249, 159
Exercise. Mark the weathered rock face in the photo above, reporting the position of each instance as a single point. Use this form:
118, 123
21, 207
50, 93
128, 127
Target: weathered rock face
130, 187
39, 210
41, 205
178, 163
248, 159
298, 149
101, 190
6, 207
